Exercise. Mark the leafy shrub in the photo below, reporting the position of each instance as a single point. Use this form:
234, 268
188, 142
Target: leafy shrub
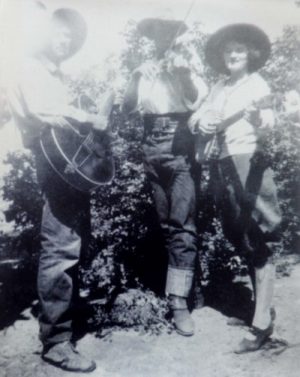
283, 146
284, 153
138, 309
118, 220
21, 190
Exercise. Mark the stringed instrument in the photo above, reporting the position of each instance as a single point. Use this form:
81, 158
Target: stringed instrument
208, 147
81, 156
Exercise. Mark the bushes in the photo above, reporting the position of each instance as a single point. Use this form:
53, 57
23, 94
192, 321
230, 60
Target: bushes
21, 190
284, 154
282, 72
135, 308
118, 220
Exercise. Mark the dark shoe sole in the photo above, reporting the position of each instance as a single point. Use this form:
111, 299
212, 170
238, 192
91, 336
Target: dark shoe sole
236, 322
184, 333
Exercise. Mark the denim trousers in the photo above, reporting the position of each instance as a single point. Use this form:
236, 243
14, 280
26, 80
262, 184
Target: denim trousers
65, 230
168, 168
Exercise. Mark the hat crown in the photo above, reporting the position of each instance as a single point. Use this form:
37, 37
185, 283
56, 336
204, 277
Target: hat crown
162, 32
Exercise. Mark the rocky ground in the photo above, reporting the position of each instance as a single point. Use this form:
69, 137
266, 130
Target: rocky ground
207, 354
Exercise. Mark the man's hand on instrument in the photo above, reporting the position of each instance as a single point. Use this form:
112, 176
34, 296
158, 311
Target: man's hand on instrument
99, 122
175, 60
204, 122
148, 70
193, 124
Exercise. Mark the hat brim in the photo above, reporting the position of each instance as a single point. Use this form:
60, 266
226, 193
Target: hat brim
248, 34
162, 32
77, 25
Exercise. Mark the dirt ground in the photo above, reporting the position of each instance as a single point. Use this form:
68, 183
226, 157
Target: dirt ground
207, 354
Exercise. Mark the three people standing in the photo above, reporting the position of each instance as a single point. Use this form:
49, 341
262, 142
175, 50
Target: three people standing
165, 92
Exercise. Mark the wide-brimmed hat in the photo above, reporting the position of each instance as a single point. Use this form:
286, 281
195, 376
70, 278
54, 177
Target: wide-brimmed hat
162, 32
248, 34
77, 25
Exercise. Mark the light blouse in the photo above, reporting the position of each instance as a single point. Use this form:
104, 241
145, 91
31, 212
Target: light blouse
240, 137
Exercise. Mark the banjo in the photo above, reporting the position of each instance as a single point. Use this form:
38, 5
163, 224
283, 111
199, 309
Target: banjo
208, 147
80, 156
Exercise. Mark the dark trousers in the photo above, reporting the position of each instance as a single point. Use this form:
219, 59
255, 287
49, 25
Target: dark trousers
168, 168
64, 233
246, 193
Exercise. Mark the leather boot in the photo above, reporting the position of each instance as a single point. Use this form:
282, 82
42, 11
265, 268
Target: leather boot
183, 321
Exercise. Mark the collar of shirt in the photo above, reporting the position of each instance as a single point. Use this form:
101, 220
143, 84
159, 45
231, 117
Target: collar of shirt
230, 88
51, 66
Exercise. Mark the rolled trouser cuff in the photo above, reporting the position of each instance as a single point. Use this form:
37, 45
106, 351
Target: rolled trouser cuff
179, 282
48, 341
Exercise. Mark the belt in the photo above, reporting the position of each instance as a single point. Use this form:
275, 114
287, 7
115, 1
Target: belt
173, 116
163, 124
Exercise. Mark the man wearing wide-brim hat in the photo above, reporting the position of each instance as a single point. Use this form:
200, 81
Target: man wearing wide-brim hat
40, 99
164, 91
237, 115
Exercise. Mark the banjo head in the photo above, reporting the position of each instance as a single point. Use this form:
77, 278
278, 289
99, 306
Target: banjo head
83, 161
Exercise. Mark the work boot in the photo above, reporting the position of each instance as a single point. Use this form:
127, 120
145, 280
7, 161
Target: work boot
183, 321
64, 355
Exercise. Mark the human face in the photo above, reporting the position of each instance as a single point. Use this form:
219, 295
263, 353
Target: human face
60, 42
236, 57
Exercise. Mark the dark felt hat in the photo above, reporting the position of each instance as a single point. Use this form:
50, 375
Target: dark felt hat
248, 34
76, 23
162, 32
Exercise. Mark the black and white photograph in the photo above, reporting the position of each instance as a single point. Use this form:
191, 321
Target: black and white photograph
149, 188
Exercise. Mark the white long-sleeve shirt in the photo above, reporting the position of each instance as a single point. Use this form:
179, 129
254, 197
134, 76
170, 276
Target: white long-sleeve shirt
38, 97
165, 94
